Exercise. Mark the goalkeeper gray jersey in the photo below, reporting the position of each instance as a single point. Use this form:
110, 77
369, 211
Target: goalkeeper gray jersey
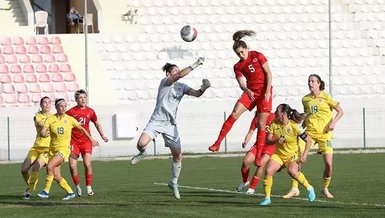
167, 101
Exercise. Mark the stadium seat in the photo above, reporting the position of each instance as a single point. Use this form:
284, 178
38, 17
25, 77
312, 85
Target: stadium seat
53, 68
42, 40
10, 99
18, 78
17, 40
41, 21
72, 87
15, 68
8, 89
2, 59
36, 97
5, 40
32, 49
47, 88
31, 41
34, 88
61, 87
30, 78
4, 69
49, 58
8, 50
21, 88
41, 68
56, 77
24, 59
23, 98
65, 68
55, 40
57, 49
45, 49
28, 68
11, 59
44, 78
20, 49
69, 77
62, 58
37, 58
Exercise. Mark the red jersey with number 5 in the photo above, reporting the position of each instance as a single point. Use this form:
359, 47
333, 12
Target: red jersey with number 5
251, 69
83, 116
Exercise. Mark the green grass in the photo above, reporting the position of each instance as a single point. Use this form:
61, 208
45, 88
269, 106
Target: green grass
122, 190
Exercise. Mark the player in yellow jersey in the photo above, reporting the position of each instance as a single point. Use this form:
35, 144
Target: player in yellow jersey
59, 127
37, 156
319, 106
285, 131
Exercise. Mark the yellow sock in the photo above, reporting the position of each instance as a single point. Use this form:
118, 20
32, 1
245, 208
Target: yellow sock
302, 180
26, 178
268, 183
326, 182
64, 185
48, 183
294, 184
33, 179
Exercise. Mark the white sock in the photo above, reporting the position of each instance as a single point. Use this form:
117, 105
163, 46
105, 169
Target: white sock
176, 168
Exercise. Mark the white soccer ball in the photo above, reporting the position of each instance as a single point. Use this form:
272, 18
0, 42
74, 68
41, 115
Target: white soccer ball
188, 33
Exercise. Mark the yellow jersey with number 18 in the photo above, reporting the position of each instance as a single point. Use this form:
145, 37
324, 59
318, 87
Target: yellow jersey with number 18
319, 110
60, 130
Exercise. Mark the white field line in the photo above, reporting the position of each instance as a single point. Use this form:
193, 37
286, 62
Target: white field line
274, 196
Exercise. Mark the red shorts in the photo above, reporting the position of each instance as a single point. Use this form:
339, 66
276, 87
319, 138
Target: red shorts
267, 149
259, 101
81, 148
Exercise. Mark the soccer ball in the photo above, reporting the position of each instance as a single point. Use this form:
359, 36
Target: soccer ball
188, 33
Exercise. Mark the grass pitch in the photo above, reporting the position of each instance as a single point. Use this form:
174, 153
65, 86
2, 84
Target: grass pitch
207, 187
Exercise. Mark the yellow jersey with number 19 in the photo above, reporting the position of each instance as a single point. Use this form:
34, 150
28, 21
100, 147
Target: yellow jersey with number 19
60, 130
319, 110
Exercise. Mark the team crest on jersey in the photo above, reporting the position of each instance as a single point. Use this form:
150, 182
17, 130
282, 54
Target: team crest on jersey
288, 130
319, 100
255, 60
65, 121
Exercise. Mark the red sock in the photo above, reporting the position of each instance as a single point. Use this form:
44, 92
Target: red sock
261, 139
88, 179
245, 173
75, 178
254, 182
225, 128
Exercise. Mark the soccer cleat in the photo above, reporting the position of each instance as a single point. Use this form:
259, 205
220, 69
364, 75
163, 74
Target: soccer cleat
43, 194
291, 193
78, 191
69, 196
242, 185
174, 188
250, 191
90, 192
311, 194
27, 195
215, 147
138, 158
265, 202
326, 192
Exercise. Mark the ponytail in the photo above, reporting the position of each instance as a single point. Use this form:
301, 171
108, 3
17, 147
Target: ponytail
292, 114
237, 36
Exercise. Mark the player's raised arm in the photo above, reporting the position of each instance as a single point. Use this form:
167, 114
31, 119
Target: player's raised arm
197, 93
174, 74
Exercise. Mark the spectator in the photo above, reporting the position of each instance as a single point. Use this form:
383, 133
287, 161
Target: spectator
74, 17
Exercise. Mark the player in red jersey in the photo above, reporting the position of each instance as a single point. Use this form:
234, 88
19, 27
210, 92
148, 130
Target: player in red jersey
254, 77
250, 157
81, 145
